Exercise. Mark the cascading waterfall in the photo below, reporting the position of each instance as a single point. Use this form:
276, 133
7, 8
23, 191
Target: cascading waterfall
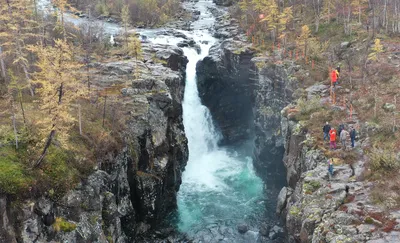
219, 186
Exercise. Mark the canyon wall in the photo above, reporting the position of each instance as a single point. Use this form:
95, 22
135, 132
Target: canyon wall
133, 187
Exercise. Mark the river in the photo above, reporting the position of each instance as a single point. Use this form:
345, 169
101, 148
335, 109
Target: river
220, 189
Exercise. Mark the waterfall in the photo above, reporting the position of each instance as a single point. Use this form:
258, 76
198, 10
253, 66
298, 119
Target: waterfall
219, 186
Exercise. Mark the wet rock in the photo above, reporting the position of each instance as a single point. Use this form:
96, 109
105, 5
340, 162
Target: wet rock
264, 229
187, 43
225, 87
276, 232
172, 32
243, 228
225, 3
282, 199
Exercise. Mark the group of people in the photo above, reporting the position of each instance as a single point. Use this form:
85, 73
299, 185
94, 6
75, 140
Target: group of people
335, 75
331, 134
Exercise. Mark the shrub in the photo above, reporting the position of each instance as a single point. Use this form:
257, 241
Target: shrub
307, 107
58, 174
383, 159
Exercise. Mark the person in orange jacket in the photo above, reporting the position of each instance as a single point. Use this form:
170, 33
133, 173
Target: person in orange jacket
334, 77
332, 136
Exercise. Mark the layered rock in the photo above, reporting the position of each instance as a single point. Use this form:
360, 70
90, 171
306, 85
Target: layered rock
274, 89
320, 208
226, 87
133, 187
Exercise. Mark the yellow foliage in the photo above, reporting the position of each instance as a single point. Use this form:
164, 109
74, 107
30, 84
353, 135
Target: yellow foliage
59, 84
376, 49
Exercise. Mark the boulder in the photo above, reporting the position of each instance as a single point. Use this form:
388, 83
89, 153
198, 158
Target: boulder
242, 228
264, 229
388, 107
281, 201
276, 232
344, 44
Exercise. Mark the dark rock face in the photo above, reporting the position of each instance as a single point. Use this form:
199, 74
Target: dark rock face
226, 88
225, 3
274, 91
245, 96
133, 187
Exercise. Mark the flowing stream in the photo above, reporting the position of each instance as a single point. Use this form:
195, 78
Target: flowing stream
219, 186
220, 189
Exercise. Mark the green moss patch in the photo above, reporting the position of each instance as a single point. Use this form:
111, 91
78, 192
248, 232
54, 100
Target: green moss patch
61, 224
13, 176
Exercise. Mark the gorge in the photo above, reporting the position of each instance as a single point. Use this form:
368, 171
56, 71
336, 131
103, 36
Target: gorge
203, 146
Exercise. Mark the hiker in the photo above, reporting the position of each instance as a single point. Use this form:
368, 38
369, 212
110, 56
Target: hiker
341, 127
330, 167
326, 130
332, 138
352, 136
337, 73
334, 77
343, 137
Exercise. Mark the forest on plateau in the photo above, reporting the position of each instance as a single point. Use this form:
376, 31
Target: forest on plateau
55, 122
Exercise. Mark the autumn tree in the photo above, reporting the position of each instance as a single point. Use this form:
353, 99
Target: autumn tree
59, 89
125, 17
376, 49
135, 49
303, 38
16, 27
62, 6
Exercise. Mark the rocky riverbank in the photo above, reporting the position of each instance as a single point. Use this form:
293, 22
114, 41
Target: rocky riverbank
322, 209
134, 186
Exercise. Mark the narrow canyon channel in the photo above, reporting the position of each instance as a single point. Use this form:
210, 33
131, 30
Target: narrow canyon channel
220, 189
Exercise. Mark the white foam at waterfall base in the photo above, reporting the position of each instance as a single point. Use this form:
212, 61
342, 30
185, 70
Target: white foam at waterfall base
218, 185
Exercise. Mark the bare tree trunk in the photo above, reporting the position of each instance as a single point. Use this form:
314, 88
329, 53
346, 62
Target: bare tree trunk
14, 125
28, 80
375, 101
104, 109
60, 93
394, 114
22, 105
46, 147
80, 119
2, 66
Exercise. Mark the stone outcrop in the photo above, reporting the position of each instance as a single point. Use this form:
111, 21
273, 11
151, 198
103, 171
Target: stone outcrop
226, 88
273, 91
245, 95
320, 208
133, 187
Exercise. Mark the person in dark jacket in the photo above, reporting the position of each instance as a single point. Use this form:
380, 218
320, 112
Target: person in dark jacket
326, 130
341, 127
352, 136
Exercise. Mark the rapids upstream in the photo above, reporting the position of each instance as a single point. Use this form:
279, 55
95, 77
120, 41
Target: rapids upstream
220, 189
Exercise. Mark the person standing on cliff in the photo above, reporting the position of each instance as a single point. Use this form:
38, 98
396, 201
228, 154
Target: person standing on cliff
330, 167
332, 136
341, 127
352, 136
326, 130
334, 77
337, 74
343, 137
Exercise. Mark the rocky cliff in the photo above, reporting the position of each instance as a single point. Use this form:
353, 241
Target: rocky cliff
245, 95
133, 187
319, 208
